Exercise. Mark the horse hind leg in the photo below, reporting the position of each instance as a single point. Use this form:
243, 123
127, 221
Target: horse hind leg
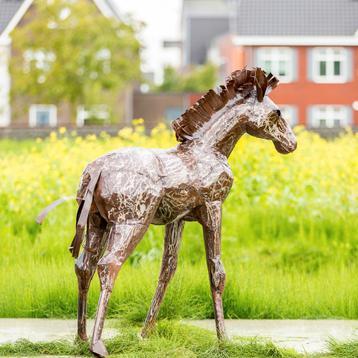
173, 234
123, 238
85, 267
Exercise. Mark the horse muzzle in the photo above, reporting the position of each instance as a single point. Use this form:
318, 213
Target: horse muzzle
285, 147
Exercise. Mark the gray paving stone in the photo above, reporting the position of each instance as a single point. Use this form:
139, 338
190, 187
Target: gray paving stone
44, 330
304, 336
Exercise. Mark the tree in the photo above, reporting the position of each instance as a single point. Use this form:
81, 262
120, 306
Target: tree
199, 79
68, 51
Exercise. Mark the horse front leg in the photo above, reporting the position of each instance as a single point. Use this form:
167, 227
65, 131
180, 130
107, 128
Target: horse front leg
173, 235
211, 222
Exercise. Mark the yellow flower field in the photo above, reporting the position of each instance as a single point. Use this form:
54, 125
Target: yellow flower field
319, 175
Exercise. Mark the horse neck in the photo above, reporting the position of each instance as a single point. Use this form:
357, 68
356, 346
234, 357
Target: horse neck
223, 131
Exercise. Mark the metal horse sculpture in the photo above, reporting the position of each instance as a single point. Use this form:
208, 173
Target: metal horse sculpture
124, 191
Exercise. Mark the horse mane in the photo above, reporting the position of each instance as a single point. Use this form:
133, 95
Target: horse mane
240, 82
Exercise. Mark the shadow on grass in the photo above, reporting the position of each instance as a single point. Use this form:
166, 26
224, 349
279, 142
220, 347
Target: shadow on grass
171, 339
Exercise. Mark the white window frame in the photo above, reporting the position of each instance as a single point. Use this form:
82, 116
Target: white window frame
34, 108
85, 112
329, 55
5, 83
289, 113
331, 114
275, 55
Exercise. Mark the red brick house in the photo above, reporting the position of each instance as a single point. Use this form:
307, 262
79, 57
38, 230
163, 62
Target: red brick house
20, 114
312, 46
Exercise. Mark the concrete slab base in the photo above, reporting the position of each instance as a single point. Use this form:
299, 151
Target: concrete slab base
304, 336
45, 330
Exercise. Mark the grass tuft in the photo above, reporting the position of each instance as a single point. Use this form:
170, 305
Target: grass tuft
170, 339
175, 340
344, 349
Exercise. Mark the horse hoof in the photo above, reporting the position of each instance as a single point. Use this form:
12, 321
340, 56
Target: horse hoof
81, 338
99, 349
142, 335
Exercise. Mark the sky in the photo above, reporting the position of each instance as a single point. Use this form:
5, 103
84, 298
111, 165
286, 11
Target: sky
162, 19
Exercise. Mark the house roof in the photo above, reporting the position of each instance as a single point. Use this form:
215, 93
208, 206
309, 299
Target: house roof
8, 9
297, 17
11, 12
112, 8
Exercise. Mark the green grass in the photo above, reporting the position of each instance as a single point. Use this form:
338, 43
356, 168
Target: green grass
275, 269
172, 339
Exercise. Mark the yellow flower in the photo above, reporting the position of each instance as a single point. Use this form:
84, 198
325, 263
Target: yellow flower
53, 136
137, 121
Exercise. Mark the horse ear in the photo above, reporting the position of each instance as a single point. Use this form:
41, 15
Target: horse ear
272, 82
260, 83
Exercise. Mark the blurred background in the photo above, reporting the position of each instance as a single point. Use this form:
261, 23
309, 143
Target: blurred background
96, 65
79, 78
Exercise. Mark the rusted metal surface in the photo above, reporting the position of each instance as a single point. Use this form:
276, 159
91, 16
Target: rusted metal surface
124, 191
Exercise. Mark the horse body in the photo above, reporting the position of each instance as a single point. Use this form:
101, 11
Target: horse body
165, 185
124, 191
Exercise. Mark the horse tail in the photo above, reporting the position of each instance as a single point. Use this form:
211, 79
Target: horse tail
82, 214
41, 217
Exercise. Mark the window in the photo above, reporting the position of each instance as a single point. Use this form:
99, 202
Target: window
277, 60
330, 116
43, 115
96, 114
289, 113
330, 64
